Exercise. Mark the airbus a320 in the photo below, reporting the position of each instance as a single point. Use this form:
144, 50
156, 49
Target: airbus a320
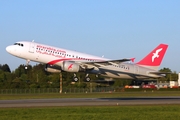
63, 60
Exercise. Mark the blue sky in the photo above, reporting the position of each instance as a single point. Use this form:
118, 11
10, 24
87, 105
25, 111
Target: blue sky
114, 28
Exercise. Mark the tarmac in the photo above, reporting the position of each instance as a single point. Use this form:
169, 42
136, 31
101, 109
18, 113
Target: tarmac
90, 102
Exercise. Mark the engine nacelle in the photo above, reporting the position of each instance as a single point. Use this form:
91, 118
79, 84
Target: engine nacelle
71, 67
66, 66
52, 69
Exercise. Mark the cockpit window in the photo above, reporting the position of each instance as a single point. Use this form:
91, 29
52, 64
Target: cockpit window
19, 44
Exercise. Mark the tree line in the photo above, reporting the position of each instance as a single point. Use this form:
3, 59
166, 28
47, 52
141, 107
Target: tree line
36, 77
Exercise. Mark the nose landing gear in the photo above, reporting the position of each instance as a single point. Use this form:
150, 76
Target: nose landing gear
27, 63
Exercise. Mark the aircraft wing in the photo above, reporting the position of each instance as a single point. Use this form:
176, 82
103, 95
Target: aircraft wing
104, 63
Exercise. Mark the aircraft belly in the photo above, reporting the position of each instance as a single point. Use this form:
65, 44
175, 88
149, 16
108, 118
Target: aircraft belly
118, 75
114, 73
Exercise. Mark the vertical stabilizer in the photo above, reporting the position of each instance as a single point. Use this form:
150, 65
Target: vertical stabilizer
154, 58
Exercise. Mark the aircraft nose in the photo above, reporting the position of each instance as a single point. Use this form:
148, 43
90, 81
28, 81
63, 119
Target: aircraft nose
8, 49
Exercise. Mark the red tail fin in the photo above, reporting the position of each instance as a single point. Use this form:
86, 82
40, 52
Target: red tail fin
154, 58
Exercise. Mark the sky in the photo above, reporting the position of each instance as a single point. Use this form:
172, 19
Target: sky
115, 29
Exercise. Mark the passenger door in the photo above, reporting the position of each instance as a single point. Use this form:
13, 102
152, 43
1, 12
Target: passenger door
32, 47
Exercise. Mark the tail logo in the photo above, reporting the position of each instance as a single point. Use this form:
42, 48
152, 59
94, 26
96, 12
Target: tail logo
156, 54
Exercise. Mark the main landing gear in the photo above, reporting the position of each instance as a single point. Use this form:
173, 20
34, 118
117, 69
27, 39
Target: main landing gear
86, 79
75, 78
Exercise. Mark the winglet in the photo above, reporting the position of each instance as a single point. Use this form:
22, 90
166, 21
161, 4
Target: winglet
132, 59
154, 58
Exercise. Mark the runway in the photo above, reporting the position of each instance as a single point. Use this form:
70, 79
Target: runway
89, 102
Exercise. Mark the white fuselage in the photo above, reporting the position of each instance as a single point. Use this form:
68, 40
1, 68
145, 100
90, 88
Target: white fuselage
52, 55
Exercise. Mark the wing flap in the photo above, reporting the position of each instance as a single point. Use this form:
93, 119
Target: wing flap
159, 73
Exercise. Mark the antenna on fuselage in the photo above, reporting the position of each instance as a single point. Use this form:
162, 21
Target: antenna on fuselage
32, 40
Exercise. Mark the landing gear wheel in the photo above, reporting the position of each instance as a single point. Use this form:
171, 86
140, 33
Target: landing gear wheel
87, 79
75, 79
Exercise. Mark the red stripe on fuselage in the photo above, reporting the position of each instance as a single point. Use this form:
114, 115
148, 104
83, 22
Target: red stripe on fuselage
58, 60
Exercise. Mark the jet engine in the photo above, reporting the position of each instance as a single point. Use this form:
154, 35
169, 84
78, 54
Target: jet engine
53, 68
71, 67
66, 66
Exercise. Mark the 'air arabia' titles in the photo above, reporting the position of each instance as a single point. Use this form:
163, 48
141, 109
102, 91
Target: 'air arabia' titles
50, 51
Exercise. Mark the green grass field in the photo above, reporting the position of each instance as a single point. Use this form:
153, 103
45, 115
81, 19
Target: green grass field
135, 112
160, 112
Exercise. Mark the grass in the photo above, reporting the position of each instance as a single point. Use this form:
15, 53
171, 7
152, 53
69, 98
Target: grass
164, 112
90, 95
135, 112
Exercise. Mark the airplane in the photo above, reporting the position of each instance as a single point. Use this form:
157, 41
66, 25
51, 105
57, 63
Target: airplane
58, 60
